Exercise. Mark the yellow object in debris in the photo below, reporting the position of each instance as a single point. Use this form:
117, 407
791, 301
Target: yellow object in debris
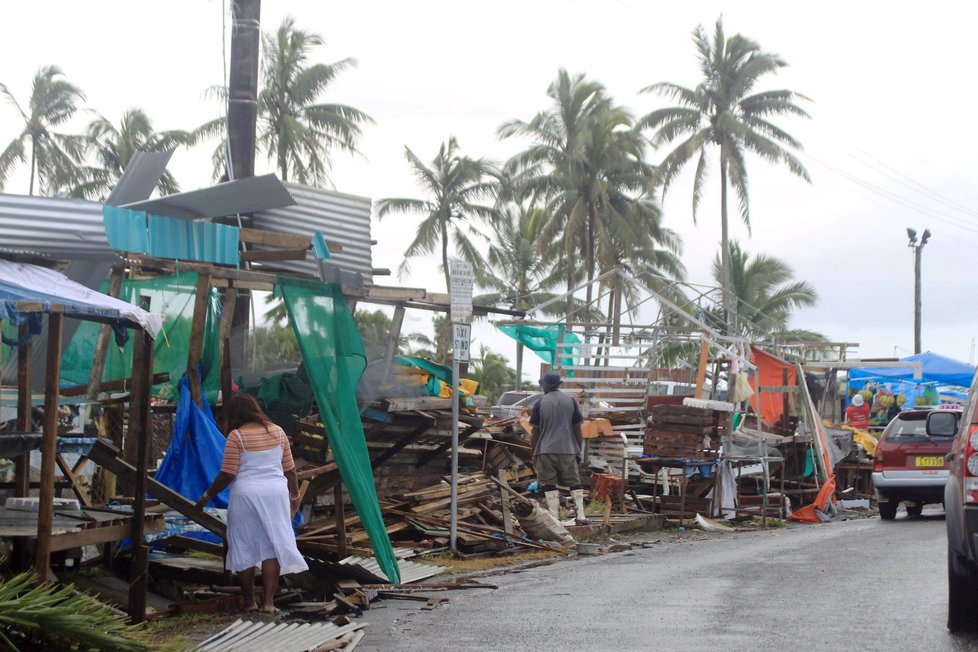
861, 437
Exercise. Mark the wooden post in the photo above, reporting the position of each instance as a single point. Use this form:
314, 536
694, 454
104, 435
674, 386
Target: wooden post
22, 477
102, 343
22, 464
701, 368
142, 373
197, 334
340, 519
224, 334
49, 445
390, 342
784, 403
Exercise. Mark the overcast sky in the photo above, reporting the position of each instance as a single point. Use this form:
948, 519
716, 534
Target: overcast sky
887, 146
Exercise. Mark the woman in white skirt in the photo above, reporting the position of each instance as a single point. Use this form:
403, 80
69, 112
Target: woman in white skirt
258, 467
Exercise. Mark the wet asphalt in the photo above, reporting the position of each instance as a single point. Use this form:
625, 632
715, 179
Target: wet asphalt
860, 584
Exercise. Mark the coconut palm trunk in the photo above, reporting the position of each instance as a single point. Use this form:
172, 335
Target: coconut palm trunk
726, 281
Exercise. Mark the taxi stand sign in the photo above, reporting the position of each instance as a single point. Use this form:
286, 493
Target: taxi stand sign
462, 337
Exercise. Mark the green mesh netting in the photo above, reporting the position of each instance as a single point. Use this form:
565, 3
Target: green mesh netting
173, 296
543, 341
333, 355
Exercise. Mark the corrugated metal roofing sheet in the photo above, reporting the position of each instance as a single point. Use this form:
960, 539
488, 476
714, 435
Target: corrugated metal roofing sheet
140, 177
240, 196
168, 237
410, 571
53, 226
250, 636
342, 218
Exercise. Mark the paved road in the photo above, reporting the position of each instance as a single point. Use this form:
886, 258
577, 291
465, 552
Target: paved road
852, 585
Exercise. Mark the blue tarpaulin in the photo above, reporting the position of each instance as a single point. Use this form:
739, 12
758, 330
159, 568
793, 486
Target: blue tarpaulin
936, 369
196, 450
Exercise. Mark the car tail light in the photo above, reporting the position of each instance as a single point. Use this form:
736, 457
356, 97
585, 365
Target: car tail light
878, 461
970, 462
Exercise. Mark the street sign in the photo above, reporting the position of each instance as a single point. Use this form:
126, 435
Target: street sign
461, 280
462, 336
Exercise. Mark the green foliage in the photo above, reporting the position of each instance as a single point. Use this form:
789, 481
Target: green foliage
455, 185
765, 294
61, 618
54, 158
492, 372
374, 327
275, 344
723, 112
586, 167
115, 145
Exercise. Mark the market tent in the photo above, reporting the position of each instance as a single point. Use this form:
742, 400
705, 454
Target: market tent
936, 369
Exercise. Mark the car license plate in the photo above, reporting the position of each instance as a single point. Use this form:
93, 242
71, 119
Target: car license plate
930, 460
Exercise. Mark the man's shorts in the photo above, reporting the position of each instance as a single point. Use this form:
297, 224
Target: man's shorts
558, 469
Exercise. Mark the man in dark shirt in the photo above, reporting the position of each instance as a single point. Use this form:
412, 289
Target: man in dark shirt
556, 441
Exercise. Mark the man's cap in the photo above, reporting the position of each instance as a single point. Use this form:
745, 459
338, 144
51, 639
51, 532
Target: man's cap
550, 380
857, 400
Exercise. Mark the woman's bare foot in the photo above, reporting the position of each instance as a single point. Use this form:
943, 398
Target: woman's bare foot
249, 608
269, 609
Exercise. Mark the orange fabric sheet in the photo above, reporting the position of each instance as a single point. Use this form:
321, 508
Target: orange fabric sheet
769, 374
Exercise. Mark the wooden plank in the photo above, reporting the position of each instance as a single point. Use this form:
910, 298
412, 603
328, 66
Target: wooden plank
779, 389
69, 474
273, 254
115, 591
413, 403
49, 446
196, 346
102, 534
107, 456
275, 239
113, 385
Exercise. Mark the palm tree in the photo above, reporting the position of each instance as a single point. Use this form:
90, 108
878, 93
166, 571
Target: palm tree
554, 159
587, 164
492, 372
295, 130
516, 275
53, 157
766, 295
724, 112
115, 145
455, 185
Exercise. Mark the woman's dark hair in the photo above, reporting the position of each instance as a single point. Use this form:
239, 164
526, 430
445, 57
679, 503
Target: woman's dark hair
245, 409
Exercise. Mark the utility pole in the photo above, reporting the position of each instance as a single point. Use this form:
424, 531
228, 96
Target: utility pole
242, 119
916, 246
243, 87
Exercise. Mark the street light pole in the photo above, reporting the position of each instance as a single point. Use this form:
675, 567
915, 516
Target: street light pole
916, 246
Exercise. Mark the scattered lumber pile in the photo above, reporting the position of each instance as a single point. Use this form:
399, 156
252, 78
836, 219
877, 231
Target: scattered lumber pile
488, 520
681, 431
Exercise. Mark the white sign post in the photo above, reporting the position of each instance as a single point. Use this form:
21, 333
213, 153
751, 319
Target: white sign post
461, 279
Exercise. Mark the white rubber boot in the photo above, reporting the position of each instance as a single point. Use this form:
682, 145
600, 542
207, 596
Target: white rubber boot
581, 518
553, 504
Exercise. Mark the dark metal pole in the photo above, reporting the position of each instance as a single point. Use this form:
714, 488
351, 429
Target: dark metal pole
916, 298
243, 86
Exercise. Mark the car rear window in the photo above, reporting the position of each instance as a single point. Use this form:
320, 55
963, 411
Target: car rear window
508, 398
913, 424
